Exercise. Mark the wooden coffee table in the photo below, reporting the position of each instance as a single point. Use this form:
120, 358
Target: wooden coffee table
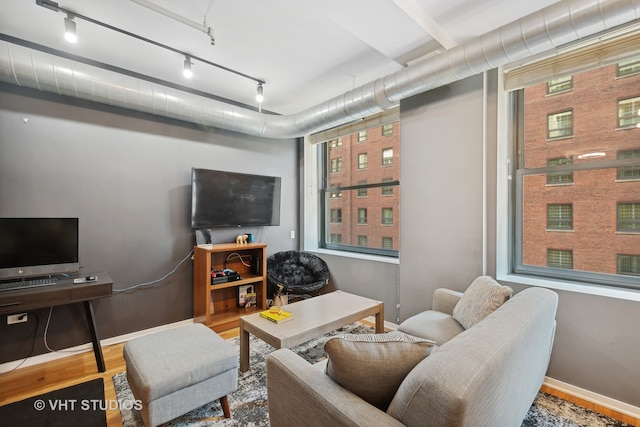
313, 318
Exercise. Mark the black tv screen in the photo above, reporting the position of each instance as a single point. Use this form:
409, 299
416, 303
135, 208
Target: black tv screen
38, 246
230, 199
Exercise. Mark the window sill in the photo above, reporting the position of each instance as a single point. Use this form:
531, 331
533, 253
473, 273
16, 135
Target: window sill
356, 255
597, 290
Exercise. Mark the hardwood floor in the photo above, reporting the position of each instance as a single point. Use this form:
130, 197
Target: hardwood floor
34, 380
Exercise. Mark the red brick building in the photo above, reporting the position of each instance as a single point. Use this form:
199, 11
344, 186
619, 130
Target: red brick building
370, 216
583, 219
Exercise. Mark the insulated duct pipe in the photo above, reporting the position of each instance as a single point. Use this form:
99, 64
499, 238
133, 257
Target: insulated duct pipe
553, 26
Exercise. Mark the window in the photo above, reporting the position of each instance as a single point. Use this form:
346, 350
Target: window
629, 112
335, 143
560, 85
336, 216
335, 238
574, 204
629, 264
559, 258
560, 217
629, 217
559, 177
336, 165
362, 191
387, 129
387, 190
387, 216
560, 125
387, 156
628, 172
362, 161
362, 136
351, 202
362, 216
629, 67
335, 191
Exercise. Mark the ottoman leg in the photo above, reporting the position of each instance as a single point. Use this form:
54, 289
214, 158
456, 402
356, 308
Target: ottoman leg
224, 401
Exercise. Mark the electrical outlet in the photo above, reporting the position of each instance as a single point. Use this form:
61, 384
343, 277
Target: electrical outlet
16, 318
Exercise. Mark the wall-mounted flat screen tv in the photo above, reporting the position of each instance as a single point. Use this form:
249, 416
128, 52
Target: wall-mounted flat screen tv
31, 247
230, 199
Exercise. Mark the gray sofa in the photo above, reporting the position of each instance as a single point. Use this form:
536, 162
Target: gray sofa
486, 375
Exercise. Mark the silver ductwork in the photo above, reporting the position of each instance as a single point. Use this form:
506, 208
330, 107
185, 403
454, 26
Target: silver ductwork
553, 26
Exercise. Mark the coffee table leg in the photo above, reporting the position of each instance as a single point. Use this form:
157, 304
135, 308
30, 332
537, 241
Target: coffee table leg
380, 320
244, 348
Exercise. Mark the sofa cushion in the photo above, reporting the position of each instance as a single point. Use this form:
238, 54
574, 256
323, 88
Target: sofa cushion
480, 299
433, 325
372, 366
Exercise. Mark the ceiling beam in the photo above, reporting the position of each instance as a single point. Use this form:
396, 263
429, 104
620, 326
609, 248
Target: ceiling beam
420, 17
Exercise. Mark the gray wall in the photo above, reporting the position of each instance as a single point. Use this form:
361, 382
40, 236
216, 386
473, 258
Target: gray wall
128, 181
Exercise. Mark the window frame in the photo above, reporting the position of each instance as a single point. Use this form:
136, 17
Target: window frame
568, 113
555, 86
634, 116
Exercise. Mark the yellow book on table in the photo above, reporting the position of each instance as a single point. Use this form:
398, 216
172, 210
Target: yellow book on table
276, 316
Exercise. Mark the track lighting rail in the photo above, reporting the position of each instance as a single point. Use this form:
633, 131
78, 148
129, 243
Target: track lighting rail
48, 4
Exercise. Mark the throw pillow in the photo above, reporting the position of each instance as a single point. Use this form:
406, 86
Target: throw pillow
480, 299
372, 366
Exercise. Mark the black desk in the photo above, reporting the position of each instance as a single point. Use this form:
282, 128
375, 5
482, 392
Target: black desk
64, 292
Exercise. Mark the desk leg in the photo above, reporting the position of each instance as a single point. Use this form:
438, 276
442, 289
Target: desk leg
97, 349
380, 320
244, 348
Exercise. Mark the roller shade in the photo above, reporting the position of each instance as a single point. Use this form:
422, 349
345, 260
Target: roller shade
596, 52
387, 116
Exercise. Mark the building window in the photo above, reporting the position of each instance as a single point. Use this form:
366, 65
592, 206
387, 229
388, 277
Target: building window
559, 177
629, 264
387, 156
628, 172
336, 165
362, 240
387, 216
363, 191
362, 216
387, 129
562, 84
335, 238
335, 191
559, 258
336, 216
387, 190
572, 213
353, 199
629, 217
629, 112
362, 136
560, 217
560, 125
335, 143
628, 68
362, 161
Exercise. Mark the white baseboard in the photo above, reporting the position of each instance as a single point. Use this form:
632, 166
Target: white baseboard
589, 396
59, 354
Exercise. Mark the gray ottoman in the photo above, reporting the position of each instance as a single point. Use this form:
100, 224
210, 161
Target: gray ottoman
175, 371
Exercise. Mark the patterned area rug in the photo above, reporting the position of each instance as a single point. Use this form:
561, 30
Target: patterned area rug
249, 403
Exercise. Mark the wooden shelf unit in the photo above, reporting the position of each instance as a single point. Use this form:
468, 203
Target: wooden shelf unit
217, 305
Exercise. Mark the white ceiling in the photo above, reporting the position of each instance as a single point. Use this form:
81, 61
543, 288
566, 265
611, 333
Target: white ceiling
306, 52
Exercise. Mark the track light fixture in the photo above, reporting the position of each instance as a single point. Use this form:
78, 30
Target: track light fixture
260, 93
70, 35
186, 71
70, 29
